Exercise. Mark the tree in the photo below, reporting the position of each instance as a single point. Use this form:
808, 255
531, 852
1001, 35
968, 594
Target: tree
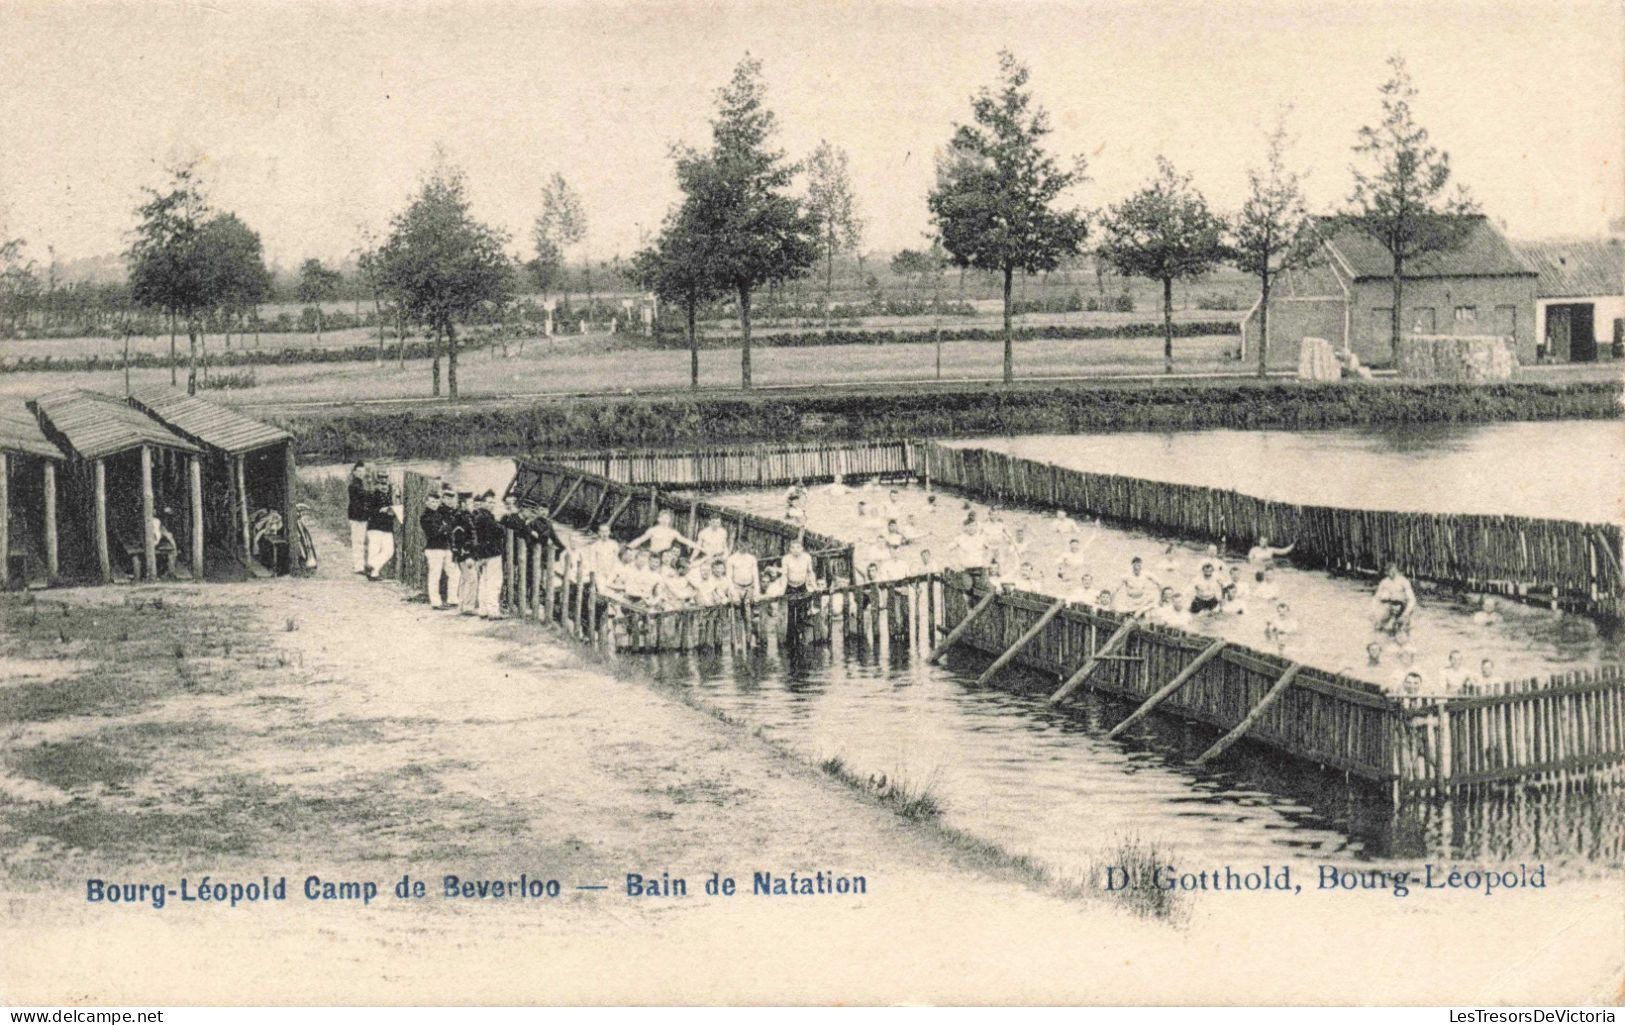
235, 263
1272, 233
677, 266
831, 203
995, 187
755, 233
1399, 196
909, 264
443, 264
168, 262
561, 225
317, 284
1164, 232
19, 284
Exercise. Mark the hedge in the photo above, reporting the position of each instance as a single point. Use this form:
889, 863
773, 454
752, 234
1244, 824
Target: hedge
1049, 332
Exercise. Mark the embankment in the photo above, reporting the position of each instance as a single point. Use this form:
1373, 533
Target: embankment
943, 411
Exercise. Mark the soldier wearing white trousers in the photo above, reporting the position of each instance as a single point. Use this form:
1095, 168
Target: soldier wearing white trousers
359, 511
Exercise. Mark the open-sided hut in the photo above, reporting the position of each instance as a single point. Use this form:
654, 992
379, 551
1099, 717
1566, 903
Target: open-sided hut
28, 497
248, 476
124, 468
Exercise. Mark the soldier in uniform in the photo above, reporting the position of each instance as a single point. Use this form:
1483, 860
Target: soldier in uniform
463, 551
436, 523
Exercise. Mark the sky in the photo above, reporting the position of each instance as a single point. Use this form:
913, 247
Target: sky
315, 120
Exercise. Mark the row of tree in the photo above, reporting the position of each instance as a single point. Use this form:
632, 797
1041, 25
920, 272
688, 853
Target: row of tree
996, 206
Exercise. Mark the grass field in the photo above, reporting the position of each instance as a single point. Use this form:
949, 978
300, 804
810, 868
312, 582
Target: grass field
577, 365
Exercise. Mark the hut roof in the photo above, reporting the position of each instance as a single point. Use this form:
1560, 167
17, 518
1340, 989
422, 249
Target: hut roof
96, 425
206, 423
1578, 268
20, 431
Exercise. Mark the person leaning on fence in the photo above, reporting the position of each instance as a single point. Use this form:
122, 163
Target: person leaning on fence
437, 528
358, 512
489, 539
381, 529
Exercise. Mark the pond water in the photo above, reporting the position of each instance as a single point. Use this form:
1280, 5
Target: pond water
1566, 469
1046, 782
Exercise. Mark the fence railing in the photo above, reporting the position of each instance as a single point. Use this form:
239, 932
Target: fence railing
1575, 564
730, 466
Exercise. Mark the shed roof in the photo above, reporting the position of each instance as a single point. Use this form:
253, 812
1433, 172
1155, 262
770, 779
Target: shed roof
207, 423
20, 431
1576, 268
1485, 252
97, 425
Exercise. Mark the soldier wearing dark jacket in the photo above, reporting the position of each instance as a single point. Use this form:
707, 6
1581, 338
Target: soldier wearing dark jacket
462, 552
489, 541
358, 512
437, 524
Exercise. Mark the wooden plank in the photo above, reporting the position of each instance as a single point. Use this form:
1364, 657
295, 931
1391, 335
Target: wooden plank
1275, 691
1021, 642
103, 561
5, 518
1185, 675
959, 630
52, 562
149, 545
1115, 641
194, 483
569, 493
619, 508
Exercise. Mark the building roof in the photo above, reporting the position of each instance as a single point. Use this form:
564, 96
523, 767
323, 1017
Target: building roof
1576, 268
96, 425
1484, 253
206, 423
20, 431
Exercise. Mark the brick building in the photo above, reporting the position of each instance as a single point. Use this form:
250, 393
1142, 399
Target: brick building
1579, 297
1479, 288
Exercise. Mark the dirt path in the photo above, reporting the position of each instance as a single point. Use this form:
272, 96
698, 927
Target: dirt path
413, 741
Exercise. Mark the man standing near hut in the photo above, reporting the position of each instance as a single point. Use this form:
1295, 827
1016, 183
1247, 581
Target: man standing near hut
437, 525
380, 540
359, 511
488, 543
462, 548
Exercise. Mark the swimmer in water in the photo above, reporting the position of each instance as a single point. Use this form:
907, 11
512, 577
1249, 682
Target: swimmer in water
1064, 524
1393, 604
662, 535
1282, 627
1137, 592
1487, 614
1262, 552
1168, 612
1205, 591
1104, 600
1486, 676
1373, 655
1454, 676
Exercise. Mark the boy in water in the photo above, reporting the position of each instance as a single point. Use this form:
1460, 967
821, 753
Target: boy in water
713, 539
1281, 628
1261, 553
1137, 593
1393, 604
662, 535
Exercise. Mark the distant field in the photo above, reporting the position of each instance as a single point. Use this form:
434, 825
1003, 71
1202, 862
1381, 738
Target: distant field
545, 369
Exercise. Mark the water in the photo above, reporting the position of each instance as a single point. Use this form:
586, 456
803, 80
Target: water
469, 473
1046, 782
1569, 469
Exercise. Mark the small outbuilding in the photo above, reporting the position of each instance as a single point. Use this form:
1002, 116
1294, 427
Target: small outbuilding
1579, 297
248, 473
131, 486
29, 462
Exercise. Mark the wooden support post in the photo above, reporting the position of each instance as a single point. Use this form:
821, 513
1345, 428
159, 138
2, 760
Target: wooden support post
1208, 654
619, 508
569, 493
149, 544
52, 560
505, 596
290, 514
547, 583
1115, 641
194, 477
597, 508
242, 505
521, 568
534, 602
1246, 724
103, 562
5, 519
959, 630
1022, 641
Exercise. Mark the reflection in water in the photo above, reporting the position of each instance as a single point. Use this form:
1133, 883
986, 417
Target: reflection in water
1046, 782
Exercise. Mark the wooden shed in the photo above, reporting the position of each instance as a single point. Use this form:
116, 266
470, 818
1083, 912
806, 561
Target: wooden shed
248, 475
124, 470
28, 498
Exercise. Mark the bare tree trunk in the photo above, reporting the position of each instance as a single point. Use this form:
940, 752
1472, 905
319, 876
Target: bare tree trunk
1264, 324
1009, 330
172, 356
378, 310
451, 360
256, 326
693, 346
1167, 325
1393, 314
744, 337
400, 339
829, 283
318, 323
435, 369
191, 363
